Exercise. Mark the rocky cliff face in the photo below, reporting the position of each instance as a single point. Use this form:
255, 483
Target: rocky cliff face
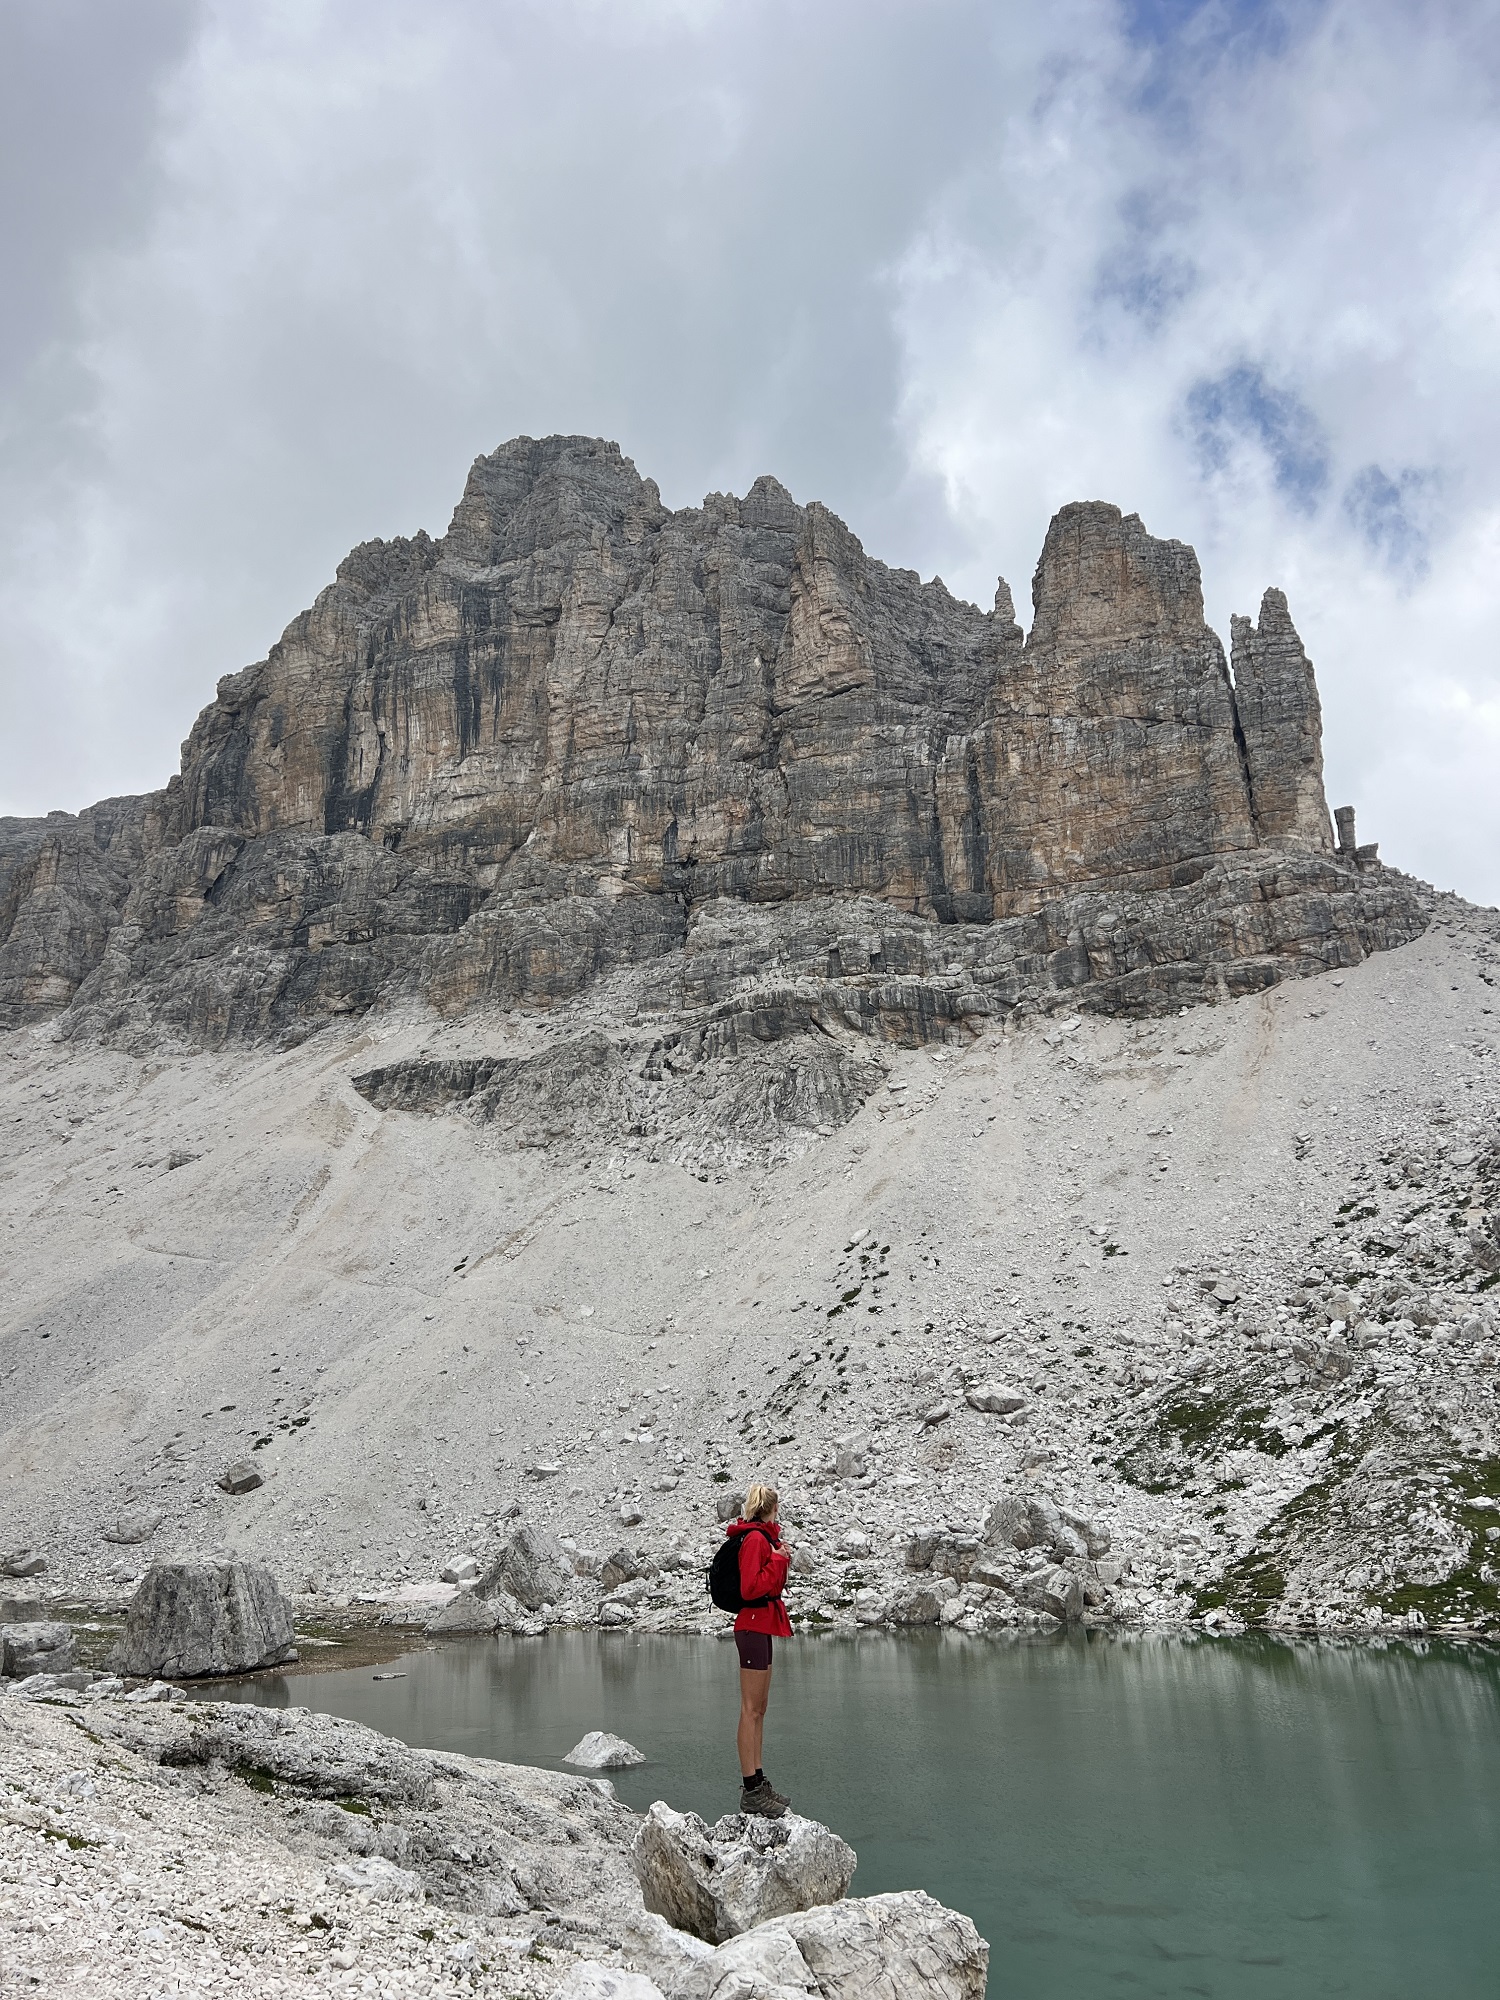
582, 734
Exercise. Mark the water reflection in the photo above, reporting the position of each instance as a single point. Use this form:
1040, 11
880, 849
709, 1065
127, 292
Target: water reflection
1140, 1815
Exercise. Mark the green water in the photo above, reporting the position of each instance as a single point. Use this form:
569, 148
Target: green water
1241, 1818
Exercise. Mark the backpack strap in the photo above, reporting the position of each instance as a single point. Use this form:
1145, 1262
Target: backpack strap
756, 1603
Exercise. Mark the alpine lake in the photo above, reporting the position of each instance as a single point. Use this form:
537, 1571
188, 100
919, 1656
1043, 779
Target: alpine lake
1247, 1819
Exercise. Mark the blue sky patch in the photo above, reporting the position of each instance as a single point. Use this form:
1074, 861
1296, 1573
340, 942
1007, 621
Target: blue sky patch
1225, 413
1207, 24
1393, 515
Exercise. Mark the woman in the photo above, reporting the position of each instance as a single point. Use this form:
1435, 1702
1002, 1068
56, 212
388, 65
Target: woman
763, 1570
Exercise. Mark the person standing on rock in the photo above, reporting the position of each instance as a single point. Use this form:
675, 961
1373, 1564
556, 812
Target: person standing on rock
763, 1566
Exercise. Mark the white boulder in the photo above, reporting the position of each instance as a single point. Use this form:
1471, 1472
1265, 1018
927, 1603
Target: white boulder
716, 1882
995, 1398
589, 1980
37, 1646
893, 1947
599, 1751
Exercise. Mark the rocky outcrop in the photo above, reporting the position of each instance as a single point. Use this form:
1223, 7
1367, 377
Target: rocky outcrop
866, 1948
531, 1568
716, 1881
35, 1646
189, 1619
720, 749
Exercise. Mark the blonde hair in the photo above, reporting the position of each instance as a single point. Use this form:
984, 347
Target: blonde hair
761, 1503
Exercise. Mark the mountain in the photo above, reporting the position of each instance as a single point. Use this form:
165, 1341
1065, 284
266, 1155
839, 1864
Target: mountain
620, 1001
563, 739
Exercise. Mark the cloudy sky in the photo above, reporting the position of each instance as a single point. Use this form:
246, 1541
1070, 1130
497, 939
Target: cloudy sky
275, 271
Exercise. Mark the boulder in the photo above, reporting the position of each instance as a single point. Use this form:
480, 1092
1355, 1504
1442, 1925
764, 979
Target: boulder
719, 1881
1096, 1539
39, 1646
241, 1477
995, 1398
1054, 1590
921, 1547
472, 1614
589, 1980
727, 1506
532, 1567
378, 1880
599, 1751
922, 1604
892, 1947
187, 1619
136, 1524
463, 1569
1032, 1522
23, 1562
621, 1567
849, 1460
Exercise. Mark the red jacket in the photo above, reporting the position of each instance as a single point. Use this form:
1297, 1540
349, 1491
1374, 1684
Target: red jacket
763, 1569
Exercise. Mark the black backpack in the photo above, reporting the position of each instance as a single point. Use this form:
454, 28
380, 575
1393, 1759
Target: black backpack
724, 1578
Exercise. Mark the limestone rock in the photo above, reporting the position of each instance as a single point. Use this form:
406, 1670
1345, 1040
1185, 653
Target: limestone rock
589, 1980
189, 1619
472, 1614
922, 1604
623, 1566
136, 1524
24, 1562
719, 1881
1025, 1521
889, 1947
599, 1751
40, 1646
241, 1477
1057, 1591
532, 1567
783, 786
995, 1398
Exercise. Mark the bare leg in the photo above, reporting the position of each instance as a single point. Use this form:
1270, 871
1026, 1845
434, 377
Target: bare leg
755, 1692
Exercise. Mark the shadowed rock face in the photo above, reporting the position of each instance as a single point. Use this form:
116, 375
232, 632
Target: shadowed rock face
538, 751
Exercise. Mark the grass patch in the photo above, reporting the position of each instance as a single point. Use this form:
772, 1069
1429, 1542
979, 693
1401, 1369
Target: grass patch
353, 1805
1470, 1593
1191, 1426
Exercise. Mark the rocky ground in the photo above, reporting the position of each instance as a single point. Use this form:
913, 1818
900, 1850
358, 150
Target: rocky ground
137, 1868
150, 1846
1236, 1269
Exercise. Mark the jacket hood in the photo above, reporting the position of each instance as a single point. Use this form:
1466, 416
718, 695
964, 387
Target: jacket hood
770, 1529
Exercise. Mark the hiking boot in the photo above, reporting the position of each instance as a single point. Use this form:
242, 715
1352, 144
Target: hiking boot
762, 1801
780, 1797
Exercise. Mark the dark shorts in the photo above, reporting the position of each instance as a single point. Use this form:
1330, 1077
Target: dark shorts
754, 1649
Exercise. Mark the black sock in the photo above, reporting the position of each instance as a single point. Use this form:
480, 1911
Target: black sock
755, 1778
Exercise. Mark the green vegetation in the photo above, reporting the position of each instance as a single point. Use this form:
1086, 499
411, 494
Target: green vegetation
1470, 1593
1193, 1425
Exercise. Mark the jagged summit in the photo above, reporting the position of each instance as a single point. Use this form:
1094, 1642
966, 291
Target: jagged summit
499, 764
